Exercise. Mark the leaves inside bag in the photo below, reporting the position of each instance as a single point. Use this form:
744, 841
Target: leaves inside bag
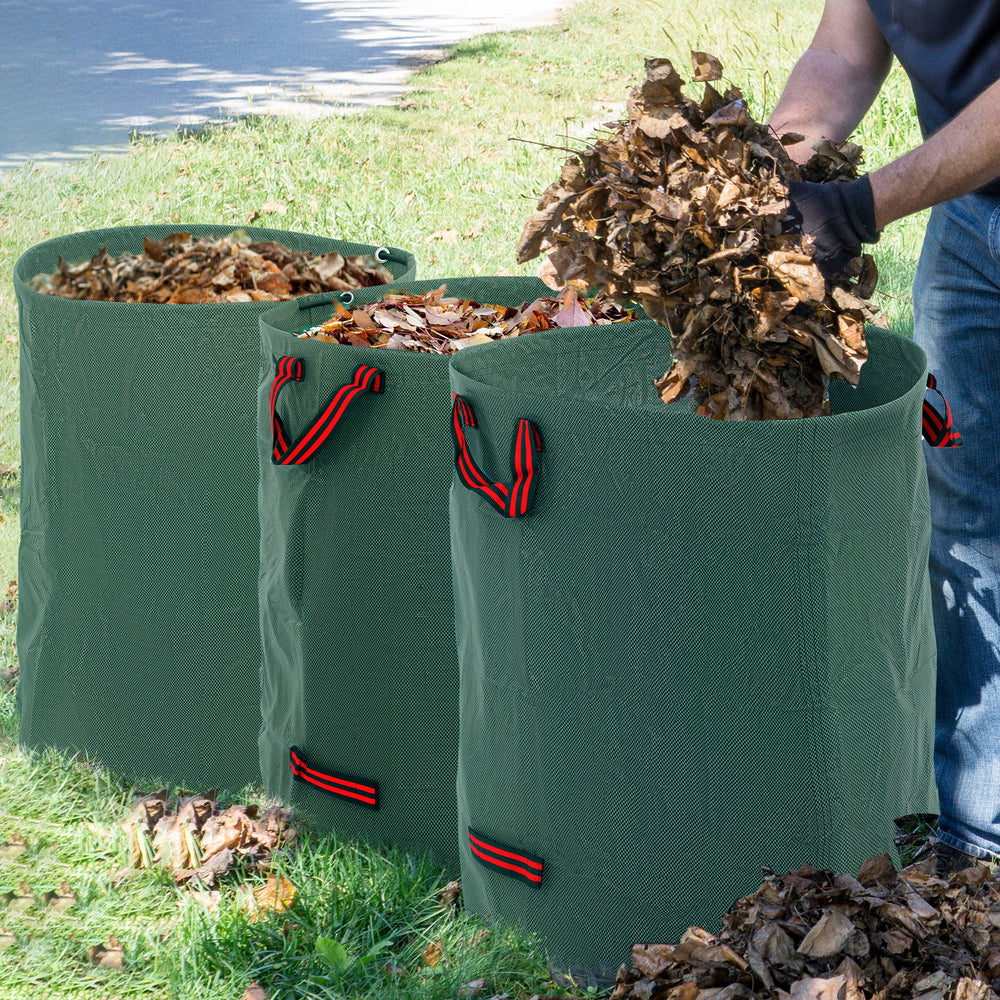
436, 323
180, 269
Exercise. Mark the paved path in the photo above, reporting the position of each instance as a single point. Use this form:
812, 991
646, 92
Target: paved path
80, 75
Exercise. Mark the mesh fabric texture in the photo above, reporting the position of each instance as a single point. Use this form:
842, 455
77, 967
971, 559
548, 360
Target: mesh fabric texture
138, 627
360, 669
707, 648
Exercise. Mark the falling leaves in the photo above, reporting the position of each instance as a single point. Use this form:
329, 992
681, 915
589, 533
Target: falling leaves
819, 935
199, 842
683, 207
436, 323
180, 269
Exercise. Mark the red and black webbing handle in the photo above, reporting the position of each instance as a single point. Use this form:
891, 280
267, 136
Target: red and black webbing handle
505, 859
357, 790
289, 369
937, 426
512, 501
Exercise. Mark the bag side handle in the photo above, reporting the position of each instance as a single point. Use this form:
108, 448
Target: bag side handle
512, 501
937, 425
289, 369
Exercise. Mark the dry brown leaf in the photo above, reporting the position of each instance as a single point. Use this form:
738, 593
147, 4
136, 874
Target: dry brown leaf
255, 992
972, 989
828, 936
13, 846
174, 844
109, 955
451, 895
276, 895
59, 899
818, 988
706, 67
433, 954
21, 899
209, 898
208, 872
878, 870
652, 959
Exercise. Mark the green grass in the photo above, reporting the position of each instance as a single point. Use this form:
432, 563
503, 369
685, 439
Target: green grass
450, 173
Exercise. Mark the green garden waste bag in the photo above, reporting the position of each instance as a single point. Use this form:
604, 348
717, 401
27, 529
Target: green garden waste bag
688, 649
138, 627
360, 673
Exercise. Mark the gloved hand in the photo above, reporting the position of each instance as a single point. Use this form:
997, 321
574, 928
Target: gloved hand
839, 215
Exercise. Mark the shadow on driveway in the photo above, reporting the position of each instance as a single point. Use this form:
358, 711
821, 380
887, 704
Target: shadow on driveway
82, 75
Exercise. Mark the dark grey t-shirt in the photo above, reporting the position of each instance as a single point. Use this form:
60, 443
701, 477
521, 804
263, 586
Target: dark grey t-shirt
950, 50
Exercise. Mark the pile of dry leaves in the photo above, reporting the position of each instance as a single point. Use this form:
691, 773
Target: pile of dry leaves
683, 208
817, 935
180, 269
438, 324
198, 842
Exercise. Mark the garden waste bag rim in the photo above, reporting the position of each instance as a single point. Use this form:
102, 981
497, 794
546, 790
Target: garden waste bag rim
854, 410
43, 258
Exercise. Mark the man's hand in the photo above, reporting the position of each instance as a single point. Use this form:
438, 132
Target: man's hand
838, 215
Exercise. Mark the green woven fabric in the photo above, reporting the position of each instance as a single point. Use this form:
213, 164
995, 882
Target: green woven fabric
360, 670
706, 648
138, 629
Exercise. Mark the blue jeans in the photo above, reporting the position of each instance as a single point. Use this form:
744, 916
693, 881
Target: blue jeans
957, 321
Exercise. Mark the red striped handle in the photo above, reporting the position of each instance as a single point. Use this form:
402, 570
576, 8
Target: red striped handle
505, 859
512, 501
937, 426
366, 379
357, 790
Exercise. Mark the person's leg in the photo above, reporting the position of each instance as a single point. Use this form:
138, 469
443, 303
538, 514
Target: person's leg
957, 322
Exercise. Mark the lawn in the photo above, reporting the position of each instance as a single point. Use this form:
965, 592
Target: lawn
450, 172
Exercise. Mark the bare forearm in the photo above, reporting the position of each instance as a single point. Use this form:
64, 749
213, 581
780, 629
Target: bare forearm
836, 79
960, 157
805, 105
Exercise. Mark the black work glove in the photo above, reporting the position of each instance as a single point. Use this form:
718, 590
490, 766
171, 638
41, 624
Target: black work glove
839, 215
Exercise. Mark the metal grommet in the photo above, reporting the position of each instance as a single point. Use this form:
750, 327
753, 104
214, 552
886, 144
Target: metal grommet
346, 298
382, 254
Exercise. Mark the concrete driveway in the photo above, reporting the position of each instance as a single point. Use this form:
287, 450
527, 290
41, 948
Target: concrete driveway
81, 75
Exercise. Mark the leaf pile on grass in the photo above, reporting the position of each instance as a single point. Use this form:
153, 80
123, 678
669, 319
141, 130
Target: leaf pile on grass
683, 208
199, 843
183, 270
435, 323
817, 935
